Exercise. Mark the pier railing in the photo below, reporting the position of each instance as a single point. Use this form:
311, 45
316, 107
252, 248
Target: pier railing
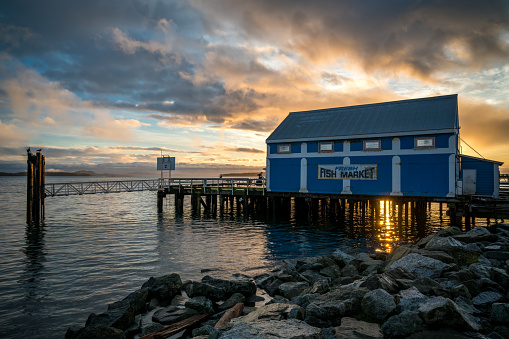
184, 185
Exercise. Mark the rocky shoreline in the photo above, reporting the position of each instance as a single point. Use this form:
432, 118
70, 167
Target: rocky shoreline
451, 284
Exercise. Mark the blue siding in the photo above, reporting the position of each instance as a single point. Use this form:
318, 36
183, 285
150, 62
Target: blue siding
285, 175
386, 144
425, 175
312, 147
295, 147
485, 180
356, 145
338, 146
441, 140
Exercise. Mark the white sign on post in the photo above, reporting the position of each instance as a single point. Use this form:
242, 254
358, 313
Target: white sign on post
166, 164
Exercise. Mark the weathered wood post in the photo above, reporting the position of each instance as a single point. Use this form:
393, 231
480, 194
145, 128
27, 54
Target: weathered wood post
35, 186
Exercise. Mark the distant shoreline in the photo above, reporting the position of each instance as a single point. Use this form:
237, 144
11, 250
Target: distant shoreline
62, 174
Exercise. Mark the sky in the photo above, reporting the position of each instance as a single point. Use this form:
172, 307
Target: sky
109, 85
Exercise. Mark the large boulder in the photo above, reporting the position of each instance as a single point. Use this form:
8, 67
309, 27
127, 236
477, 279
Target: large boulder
242, 284
383, 281
277, 311
121, 314
291, 329
100, 332
355, 329
409, 300
378, 304
293, 289
164, 288
233, 300
172, 314
328, 309
421, 266
484, 299
403, 324
342, 258
200, 304
500, 313
214, 289
438, 311
465, 255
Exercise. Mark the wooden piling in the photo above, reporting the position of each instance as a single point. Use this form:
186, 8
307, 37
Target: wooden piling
35, 187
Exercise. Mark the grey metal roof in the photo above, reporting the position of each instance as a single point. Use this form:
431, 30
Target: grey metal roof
424, 114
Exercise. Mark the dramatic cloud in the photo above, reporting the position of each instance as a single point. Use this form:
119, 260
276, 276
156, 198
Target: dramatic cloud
183, 74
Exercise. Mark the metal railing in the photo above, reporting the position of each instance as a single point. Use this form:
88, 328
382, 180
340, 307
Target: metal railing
185, 185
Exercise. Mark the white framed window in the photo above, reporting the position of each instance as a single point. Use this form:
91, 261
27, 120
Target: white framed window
428, 142
283, 148
372, 145
326, 147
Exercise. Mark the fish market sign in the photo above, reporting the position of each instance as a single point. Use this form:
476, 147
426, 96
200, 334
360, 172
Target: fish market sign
352, 172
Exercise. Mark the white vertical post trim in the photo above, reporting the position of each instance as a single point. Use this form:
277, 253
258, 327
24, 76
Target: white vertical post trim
303, 175
346, 147
304, 148
267, 172
452, 176
346, 182
496, 176
396, 175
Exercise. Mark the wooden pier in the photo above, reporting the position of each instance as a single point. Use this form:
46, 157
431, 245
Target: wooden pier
245, 195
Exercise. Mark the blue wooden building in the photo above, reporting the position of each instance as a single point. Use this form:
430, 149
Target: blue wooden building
400, 148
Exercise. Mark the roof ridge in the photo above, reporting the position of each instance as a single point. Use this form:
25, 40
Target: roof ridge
378, 104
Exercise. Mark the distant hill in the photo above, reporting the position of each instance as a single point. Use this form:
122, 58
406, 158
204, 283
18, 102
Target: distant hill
62, 174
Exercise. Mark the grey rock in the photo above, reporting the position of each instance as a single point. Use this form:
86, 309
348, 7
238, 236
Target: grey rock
446, 232
378, 304
326, 313
101, 332
273, 287
277, 311
409, 300
420, 266
466, 305
163, 288
383, 281
349, 271
484, 299
331, 271
121, 313
150, 328
200, 304
216, 293
305, 300
461, 291
442, 311
73, 331
293, 289
242, 284
445, 333
233, 300
206, 330
500, 313
312, 276
479, 270
354, 329
172, 314
321, 287
500, 277
291, 329
342, 258
463, 254
403, 324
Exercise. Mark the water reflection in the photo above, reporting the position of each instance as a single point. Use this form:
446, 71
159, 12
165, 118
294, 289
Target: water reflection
32, 275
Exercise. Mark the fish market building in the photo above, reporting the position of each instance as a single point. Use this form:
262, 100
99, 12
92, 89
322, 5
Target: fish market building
402, 148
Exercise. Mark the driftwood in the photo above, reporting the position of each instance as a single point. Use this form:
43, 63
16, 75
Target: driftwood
175, 328
232, 313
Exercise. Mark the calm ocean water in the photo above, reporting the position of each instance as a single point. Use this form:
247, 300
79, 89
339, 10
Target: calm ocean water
93, 250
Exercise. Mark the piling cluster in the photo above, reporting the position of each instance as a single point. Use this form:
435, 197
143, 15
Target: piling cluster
451, 284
